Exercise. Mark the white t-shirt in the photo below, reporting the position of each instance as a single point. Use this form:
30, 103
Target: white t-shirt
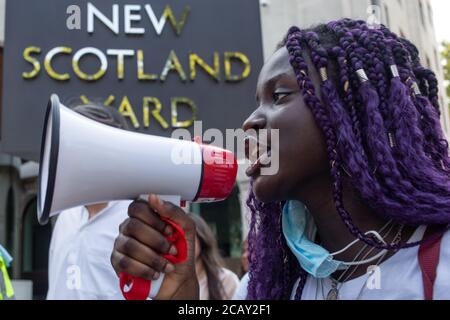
228, 278
398, 278
80, 251
241, 292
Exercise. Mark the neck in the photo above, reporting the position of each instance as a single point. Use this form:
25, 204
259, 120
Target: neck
94, 209
334, 235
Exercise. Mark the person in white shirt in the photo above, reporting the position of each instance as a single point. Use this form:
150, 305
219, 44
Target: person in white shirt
80, 249
83, 239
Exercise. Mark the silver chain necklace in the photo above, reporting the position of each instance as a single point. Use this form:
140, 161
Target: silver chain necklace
336, 285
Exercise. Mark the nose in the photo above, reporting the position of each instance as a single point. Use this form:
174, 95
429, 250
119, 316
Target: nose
255, 121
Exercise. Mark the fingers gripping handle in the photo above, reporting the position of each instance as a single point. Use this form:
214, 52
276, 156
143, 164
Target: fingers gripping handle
134, 288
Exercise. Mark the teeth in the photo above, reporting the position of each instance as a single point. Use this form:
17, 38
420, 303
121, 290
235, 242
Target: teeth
265, 159
254, 154
262, 161
258, 149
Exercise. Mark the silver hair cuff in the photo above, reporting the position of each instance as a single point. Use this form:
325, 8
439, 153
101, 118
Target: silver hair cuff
416, 89
323, 74
394, 71
392, 141
362, 75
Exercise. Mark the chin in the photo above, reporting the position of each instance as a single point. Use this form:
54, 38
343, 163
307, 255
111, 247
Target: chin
265, 188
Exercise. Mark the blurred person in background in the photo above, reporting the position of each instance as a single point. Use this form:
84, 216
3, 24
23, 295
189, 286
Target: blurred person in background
241, 292
83, 237
6, 289
215, 281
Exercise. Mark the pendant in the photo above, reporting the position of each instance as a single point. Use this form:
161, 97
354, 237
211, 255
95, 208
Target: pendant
333, 294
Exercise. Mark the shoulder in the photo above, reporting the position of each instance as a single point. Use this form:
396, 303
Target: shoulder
68, 220
241, 292
112, 217
119, 209
120, 205
230, 282
444, 256
229, 276
67, 224
442, 284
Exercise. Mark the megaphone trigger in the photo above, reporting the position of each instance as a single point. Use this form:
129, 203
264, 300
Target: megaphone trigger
178, 239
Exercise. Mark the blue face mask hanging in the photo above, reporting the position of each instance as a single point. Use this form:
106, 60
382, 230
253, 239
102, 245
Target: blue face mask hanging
300, 230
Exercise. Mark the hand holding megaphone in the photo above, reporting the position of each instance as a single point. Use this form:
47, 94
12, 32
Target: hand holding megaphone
142, 254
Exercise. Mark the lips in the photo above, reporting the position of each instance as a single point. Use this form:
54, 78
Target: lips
258, 154
262, 162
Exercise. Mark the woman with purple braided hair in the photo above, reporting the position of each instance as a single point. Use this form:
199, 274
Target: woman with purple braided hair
360, 207
363, 166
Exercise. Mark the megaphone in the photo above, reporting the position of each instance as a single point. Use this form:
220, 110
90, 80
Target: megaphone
85, 162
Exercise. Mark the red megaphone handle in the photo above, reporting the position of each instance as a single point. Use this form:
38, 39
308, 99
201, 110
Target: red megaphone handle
134, 288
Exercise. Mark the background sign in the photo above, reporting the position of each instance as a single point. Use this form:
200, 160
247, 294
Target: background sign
162, 64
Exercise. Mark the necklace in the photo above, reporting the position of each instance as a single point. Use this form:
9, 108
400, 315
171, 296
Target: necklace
336, 284
396, 240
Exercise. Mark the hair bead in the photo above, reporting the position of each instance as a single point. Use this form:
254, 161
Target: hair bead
392, 142
416, 89
346, 85
394, 71
362, 75
323, 74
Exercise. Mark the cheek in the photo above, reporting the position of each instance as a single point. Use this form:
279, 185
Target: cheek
302, 154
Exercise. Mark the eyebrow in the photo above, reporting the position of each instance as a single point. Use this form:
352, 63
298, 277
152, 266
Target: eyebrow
272, 81
276, 78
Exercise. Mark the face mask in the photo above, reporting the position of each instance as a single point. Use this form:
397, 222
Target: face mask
300, 231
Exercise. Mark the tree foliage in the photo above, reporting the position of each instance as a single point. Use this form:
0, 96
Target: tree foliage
446, 57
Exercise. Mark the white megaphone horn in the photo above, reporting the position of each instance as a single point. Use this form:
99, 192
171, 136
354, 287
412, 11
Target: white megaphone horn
85, 162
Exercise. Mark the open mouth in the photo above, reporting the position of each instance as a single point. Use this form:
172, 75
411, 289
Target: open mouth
258, 153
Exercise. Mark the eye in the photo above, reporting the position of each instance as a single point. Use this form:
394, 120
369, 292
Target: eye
278, 96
